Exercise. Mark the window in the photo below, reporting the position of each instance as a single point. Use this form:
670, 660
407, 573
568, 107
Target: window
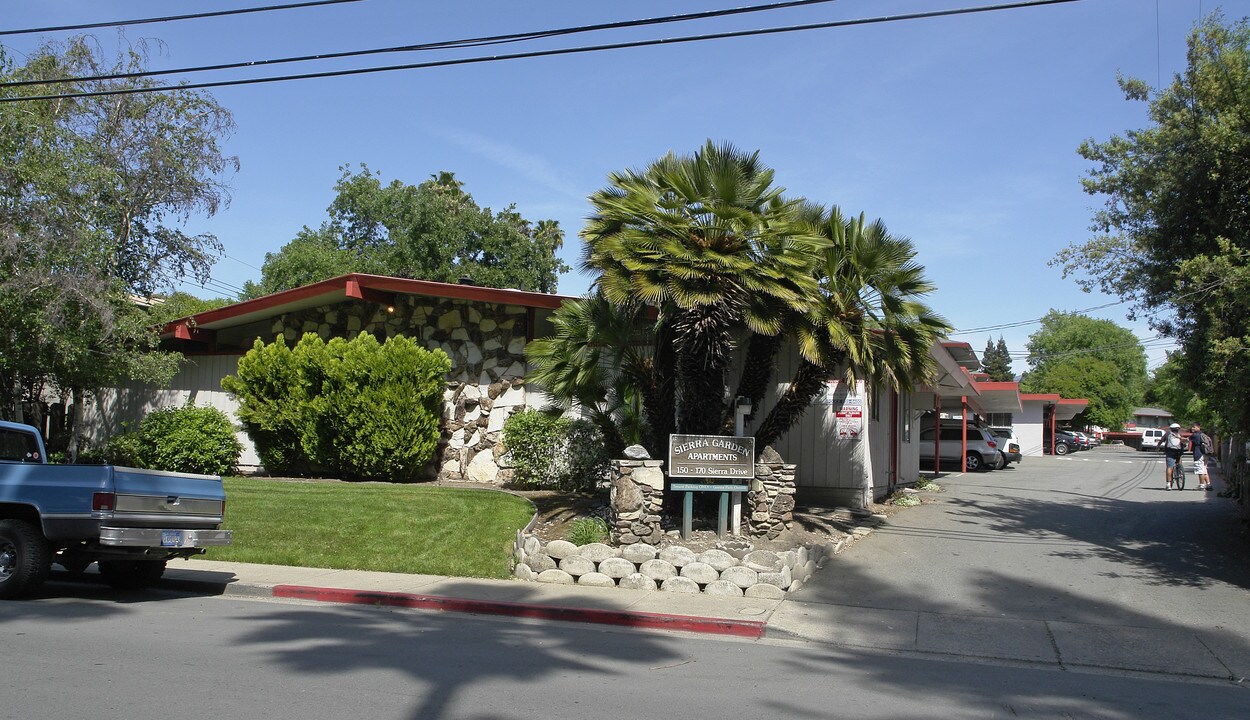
999, 419
17, 446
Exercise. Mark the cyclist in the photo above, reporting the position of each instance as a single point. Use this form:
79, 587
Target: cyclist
1173, 448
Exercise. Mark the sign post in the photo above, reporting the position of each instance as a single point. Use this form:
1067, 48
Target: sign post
718, 464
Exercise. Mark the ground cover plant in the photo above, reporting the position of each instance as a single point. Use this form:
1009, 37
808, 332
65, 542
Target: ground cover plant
372, 526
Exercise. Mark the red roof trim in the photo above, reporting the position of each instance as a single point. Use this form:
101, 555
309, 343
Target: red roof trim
999, 385
1040, 396
363, 284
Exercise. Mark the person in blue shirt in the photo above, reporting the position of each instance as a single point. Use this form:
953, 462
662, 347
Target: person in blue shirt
1197, 439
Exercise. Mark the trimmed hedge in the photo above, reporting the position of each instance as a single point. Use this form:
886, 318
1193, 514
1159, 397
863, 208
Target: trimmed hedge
358, 409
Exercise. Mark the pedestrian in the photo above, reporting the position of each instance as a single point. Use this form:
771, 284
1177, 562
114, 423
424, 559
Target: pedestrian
1198, 443
1173, 449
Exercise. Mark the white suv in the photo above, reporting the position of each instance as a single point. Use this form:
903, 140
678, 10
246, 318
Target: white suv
983, 447
1009, 445
1152, 438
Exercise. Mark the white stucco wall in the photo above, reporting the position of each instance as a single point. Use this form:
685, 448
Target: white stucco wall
1028, 427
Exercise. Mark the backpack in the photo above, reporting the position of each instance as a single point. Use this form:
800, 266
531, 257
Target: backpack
1207, 446
1173, 441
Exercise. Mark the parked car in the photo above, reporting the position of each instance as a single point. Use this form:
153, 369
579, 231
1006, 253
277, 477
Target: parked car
1065, 442
983, 447
1009, 445
1152, 439
127, 521
1084, 441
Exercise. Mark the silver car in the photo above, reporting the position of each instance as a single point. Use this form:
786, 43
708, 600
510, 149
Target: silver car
983, 447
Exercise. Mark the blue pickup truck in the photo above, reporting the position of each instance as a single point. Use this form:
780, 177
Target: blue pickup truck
128, 521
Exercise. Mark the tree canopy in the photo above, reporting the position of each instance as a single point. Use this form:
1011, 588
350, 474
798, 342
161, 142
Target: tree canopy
1174, 233
431, 231
94, 193
1081, 357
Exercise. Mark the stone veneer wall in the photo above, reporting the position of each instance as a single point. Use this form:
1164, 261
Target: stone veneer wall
770, 501
636, 501
486, 384
637, 497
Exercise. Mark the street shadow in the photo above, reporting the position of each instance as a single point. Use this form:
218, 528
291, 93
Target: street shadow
446, 654
62, 597
1166, 545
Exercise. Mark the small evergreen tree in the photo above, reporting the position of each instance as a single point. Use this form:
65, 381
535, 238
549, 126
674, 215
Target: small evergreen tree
996, 361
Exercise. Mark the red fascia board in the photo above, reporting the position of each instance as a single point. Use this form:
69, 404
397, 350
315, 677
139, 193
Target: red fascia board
523, 298
365, 284
999, 386
956, 343
1042, 397
259, 304
1070, 401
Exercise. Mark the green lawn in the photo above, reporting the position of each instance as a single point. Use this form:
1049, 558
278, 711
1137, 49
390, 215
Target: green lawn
372, 526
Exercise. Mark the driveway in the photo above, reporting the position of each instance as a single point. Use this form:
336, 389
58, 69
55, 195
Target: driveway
1083, 561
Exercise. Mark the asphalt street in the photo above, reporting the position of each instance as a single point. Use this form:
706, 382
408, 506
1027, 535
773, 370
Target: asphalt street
1083, 561
85, 654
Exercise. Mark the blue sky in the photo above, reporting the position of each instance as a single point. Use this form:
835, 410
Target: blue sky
959, 132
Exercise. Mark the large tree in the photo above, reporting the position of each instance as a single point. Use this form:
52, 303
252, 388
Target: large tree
94, 192
430, 231
1081, 357
1174, 234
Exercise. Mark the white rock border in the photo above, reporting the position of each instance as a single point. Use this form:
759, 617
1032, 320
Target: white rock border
593, 565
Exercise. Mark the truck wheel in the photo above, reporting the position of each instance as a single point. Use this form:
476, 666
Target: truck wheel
25, 558
131, 574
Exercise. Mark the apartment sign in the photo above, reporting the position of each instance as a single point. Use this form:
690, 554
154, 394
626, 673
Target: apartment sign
713, 457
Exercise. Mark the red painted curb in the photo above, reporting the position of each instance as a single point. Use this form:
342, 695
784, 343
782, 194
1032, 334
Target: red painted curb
658, 621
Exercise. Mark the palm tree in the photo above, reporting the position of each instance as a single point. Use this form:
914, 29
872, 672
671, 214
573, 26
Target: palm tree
708, 241
599, 362
869, 321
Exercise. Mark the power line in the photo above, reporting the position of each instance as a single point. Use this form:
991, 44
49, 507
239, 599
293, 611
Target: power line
437, 45
1019, 323
550, 53
170, 18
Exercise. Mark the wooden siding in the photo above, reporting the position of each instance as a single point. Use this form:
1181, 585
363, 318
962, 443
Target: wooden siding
199, 382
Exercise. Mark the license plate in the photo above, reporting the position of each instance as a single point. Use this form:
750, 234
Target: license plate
171, 538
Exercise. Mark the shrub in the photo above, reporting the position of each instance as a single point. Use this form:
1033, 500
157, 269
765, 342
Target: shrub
584, 531
554, 452
380, 407
188, 439
358, 408
121, 449
273, 404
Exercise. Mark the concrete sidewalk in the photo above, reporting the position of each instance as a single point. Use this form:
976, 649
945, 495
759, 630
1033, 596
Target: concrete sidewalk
1063, 645
740, 617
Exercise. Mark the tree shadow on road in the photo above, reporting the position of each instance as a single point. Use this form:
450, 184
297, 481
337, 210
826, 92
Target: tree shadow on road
447, 654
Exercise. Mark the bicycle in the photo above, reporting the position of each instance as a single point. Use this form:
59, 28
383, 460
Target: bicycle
1178, 473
